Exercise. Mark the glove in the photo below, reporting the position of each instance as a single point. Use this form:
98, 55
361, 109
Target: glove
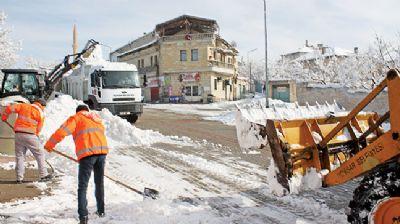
48, 148
4, 118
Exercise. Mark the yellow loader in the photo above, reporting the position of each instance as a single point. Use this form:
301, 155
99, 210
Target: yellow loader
345, 148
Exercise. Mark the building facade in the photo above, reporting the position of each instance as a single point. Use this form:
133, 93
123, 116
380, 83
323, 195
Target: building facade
185, 59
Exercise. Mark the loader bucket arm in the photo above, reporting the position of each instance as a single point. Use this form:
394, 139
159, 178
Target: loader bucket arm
386, 147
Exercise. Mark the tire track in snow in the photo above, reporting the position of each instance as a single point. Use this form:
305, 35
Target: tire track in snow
195, 175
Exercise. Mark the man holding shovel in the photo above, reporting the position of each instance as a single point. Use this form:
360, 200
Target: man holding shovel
27, 126
91, 149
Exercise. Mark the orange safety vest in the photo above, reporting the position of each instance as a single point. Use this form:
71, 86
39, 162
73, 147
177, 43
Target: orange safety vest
88, 133
30, 117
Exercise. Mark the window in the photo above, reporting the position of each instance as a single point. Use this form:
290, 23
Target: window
229, 60
155, 60
215, 84
223, 85
151, 61
195, 90
215, 55
195, 54
92, 79
27, 84
142, 62
138, 63
183, 55
188, 90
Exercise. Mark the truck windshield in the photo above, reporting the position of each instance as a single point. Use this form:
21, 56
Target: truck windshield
120, 79
20, 83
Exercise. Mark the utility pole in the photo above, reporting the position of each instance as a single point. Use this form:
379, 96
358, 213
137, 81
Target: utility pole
266, 55
248, 62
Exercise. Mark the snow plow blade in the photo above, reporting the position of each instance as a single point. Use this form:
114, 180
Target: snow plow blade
294, 143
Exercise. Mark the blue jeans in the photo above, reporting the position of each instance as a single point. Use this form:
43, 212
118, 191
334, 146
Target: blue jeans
86, 165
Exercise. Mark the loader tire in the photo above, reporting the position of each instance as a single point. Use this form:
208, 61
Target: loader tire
379, 190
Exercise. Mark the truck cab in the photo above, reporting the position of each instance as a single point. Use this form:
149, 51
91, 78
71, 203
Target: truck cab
111, 85
28, 83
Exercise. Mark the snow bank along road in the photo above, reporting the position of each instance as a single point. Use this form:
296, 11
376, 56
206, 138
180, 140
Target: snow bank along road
201, 181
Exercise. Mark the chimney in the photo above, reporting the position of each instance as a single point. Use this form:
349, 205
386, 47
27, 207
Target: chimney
307, 43
355, 50
323, 50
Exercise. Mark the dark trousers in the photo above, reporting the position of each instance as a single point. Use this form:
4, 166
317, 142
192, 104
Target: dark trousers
86, 165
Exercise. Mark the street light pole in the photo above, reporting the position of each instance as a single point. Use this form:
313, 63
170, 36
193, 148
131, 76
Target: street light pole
248, 62
266, 55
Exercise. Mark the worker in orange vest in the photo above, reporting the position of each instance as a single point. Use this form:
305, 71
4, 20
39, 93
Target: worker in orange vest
27, 126
91, 150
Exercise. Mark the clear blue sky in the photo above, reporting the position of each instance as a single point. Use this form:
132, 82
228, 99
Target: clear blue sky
45, 26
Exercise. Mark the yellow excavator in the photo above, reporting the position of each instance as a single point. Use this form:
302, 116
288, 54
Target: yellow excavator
344, 148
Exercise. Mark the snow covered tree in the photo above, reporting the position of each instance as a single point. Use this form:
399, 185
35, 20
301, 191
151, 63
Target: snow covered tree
8, 47
34, 63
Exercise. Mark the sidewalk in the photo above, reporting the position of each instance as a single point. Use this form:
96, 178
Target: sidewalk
10, 191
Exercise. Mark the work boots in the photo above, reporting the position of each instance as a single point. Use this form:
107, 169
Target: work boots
84, 220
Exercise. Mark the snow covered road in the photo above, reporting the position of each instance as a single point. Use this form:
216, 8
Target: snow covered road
198, 185
200, 181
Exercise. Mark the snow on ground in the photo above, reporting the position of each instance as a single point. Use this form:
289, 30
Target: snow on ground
223, 111
198, 184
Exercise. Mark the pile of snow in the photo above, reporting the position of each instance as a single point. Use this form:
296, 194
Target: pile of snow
96, 59
119, 132
297, 183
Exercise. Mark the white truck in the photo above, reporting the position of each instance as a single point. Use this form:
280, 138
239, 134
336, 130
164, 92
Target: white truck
103, 84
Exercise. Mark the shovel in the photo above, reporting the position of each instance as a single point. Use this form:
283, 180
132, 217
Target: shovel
146, 193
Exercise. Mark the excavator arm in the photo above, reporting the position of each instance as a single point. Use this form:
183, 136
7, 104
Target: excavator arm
70, 61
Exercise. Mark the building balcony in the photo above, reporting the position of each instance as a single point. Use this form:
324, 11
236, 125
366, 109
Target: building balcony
197, 36
220, 64
221, 67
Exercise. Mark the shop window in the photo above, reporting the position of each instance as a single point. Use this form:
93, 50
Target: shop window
195, 54
183, 55
195, 91
188, 90
215, 84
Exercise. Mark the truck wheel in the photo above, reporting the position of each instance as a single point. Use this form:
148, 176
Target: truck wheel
377, 199
132, 118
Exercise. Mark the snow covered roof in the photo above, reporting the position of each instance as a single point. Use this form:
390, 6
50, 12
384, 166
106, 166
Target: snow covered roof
137, 44
328, 52
138, 47
310, 52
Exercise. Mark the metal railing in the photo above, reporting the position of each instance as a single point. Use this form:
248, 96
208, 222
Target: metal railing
220, 64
